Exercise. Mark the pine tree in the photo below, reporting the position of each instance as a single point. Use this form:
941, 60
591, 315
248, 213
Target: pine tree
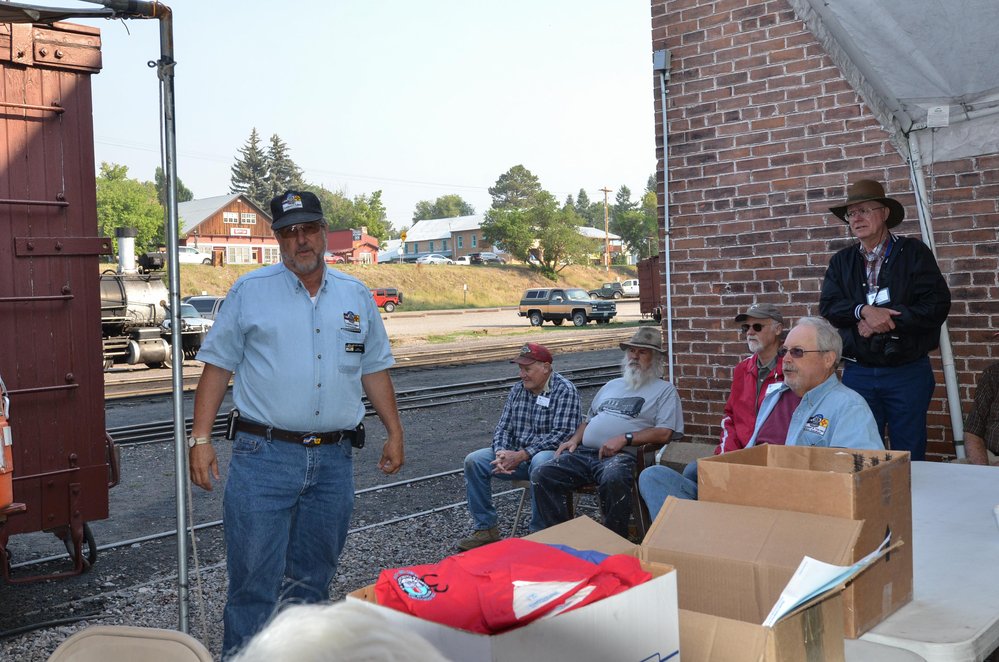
249, 172
282, 173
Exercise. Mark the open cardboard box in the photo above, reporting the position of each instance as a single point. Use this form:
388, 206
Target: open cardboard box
873, 486
732, 563
639, 624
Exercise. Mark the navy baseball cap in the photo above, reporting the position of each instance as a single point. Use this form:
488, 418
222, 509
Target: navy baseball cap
293, 207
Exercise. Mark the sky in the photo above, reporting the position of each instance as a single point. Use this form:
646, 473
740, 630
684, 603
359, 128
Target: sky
417, 99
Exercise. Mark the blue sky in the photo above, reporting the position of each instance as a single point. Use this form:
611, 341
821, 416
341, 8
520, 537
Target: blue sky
415, 98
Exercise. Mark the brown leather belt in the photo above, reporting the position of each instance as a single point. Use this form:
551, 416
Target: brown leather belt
300, 438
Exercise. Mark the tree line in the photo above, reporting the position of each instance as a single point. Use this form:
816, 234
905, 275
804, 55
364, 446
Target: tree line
526, 220
530, 224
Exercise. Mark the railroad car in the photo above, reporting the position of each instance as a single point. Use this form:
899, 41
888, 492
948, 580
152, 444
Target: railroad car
50, 293
650, 288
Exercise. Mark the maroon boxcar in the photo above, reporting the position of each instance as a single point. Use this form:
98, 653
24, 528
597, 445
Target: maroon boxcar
50, 319
650, 288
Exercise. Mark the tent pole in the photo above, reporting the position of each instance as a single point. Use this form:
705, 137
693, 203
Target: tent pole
661, 62
946, 350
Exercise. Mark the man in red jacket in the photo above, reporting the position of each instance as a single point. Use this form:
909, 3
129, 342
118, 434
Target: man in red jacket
752, 378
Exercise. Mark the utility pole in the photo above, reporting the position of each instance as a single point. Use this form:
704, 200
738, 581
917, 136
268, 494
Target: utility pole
606, 233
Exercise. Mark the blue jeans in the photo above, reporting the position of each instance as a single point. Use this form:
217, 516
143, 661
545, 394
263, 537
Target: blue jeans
658, 482
552, 484
286, 512
479, 473
899, 397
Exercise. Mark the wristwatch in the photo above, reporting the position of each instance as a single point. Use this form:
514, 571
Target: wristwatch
628, 437
198, 441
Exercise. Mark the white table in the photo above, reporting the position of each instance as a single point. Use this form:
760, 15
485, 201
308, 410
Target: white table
954, 613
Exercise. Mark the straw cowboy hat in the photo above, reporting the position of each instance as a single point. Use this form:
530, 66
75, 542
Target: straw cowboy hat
868, 190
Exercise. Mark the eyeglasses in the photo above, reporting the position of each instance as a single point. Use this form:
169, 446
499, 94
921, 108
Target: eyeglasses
308, 229
755, 327
866, 211
797, 352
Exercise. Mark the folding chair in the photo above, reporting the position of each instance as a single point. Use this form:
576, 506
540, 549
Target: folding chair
645, 457
120, 643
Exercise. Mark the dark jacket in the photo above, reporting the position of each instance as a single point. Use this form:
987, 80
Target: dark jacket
917, 290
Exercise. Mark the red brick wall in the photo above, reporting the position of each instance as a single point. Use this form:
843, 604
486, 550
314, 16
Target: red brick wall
764, 131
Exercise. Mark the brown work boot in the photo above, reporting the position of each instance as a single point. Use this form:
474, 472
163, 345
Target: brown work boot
479, 538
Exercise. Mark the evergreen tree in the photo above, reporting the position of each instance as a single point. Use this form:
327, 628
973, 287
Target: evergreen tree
282, 173
652, 185
249, 172
517, 188
183, 193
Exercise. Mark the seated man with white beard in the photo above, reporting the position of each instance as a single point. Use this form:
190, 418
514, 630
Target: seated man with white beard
635, 409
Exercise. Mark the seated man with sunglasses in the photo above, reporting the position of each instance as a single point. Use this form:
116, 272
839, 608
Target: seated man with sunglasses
811, 408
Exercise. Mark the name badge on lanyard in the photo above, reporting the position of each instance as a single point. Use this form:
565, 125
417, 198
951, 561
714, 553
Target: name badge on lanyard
879, 297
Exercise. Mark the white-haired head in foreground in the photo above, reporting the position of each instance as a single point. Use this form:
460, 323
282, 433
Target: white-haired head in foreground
340, 632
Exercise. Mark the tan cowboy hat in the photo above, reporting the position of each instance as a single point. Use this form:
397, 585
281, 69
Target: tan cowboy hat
646, 338
867, 190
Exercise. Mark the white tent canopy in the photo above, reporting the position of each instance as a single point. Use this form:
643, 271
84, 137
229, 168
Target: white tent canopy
919, 61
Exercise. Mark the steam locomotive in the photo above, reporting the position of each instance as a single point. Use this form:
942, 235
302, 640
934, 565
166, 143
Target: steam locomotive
135, 317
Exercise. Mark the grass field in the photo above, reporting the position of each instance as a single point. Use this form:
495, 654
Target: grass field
426, 287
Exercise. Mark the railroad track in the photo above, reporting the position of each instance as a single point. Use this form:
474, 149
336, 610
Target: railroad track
431, 396
143, 384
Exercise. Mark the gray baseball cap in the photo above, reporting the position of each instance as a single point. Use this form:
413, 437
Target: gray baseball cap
761, 311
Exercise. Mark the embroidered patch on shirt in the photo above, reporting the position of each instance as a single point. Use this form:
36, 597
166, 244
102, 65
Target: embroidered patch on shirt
354, 347
351, 322
817, 424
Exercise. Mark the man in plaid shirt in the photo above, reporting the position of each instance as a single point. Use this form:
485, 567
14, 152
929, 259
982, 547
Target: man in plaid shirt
541, 412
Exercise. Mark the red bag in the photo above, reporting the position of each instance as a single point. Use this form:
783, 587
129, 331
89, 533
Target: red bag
503, 585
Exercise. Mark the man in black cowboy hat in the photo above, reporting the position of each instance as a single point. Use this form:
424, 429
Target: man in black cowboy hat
888, 299
635, 409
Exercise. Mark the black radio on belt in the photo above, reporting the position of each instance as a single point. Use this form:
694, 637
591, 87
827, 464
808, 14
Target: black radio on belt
230, 424
356, 436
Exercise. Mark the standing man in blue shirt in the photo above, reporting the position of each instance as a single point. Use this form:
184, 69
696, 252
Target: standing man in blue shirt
541, 412
303, 342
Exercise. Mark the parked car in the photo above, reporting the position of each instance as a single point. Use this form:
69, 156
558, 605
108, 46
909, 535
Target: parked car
387, 298
193, 328
485, 257
608, 291
207, 306
434, 258
630, 287
556, 305
193, 255
463, 260
330, 258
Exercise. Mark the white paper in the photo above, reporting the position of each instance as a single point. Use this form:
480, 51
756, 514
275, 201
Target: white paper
813, 578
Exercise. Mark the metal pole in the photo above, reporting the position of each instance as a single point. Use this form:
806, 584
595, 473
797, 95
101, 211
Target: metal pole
946, 350
606, 233
660, 62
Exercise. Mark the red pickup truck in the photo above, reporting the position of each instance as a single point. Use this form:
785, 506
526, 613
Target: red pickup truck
387, 298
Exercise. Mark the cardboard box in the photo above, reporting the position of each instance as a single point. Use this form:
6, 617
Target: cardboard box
873, 486
638, 624
732, 563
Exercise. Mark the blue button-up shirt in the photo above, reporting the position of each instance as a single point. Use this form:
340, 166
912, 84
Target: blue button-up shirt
526, 424
298, 362
829, 415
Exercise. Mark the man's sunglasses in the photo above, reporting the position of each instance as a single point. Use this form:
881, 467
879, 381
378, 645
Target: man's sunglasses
797, 352
308, 229
755, 327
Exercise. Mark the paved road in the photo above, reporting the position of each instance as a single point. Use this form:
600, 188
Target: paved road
492, 320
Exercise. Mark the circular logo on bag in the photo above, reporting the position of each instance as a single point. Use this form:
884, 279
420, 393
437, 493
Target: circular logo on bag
413, 586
